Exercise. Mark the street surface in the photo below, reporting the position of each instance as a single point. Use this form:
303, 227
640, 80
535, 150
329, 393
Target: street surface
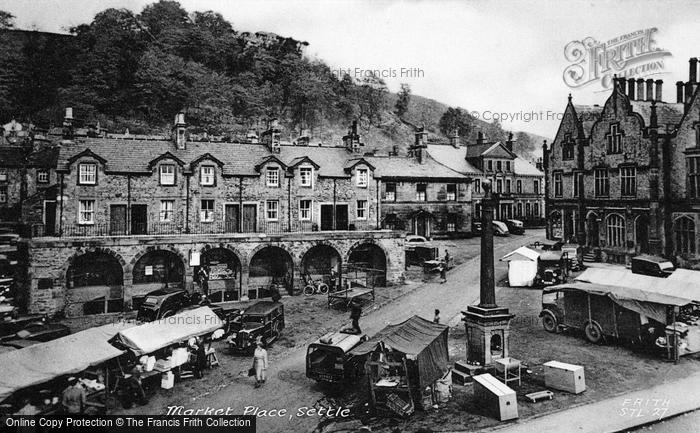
287, 386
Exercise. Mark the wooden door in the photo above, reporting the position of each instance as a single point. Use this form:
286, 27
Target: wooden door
341, 217
231, 219
326, 217
50, 218
139, 219
249, 218
117, 219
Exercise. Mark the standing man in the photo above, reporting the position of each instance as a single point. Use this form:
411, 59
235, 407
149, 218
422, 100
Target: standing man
443, 273
73, 398
447, 259
436, 319
204, 280
355, 314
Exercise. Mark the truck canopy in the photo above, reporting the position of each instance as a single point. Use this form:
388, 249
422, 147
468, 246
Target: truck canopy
678, 288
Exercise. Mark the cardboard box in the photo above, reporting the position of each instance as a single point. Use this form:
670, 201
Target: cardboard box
564, 377
495, 398
167, 380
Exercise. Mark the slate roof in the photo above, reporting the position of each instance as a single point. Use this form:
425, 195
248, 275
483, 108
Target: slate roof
402, 167
44, 158
133, 156
453, 158
666, 113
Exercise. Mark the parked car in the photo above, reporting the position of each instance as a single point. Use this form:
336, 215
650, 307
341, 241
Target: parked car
413, 241
652, 265
500, 228
328, 359
552, 268
515, 226
38, 332
162, 303
264, 319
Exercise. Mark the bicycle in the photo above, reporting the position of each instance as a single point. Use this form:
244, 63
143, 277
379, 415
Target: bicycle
312, 287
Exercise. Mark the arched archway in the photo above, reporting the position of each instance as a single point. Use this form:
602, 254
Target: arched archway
592, 230
270, 265
641, 233
95, 281
367, 261
158, 269
223, 269
320, 261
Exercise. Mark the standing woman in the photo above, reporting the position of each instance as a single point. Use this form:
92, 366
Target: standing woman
259, 362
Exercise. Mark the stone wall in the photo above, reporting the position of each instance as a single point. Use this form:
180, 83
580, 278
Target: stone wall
50, 258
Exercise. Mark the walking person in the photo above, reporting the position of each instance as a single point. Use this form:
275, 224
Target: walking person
447, 259
436, 319
443, 273
259, 362
355, 314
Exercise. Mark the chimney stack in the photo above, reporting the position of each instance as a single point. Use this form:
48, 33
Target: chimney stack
480, 138
454, 138
68, 123
679, 92
653, 119
509, 142
659, 94
630, 88
650, 89
640, 89
621, 83
352, 140
693, 72
688, 92
179, 129
419, 148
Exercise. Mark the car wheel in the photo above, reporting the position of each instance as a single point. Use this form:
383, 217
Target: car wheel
593, 333
167, 314
549, 323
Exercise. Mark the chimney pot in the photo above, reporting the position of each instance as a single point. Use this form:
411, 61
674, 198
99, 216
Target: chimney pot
688, 91
480, 138
650, 89
640, 89
630, 88
693, 70
679, 92
659, 95
69, 113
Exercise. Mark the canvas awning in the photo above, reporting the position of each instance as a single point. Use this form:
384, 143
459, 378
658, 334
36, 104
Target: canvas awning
67, 355
687, 276
650, 303
420, 340
676, 287
521, 254
149, 337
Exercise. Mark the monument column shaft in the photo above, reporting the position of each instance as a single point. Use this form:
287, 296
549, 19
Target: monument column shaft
487, 292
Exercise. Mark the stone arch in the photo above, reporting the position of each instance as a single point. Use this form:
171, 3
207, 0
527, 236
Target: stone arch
98, 250
95, 280
152, 248
241, 256
224, 276
321, 265
171, 269
641, 233
376, 262
276, 266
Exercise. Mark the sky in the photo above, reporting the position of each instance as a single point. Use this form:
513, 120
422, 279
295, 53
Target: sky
489, 57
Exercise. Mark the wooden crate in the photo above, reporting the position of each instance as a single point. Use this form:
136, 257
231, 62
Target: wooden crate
564, 377
497, 399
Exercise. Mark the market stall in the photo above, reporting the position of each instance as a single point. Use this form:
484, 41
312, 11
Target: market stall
69, 355
522, 267
402, 361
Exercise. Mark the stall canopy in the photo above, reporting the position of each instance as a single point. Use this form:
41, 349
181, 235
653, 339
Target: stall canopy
686, 275
149, 337
522, 266
678, 288
650, 303
64, 356
422, 341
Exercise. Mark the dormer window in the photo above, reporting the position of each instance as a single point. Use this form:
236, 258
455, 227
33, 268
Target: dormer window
206, 175
167, 174
273, 177
362, 177
305, 176
87, 174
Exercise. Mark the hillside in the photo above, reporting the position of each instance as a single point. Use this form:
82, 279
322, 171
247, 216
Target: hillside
137, 71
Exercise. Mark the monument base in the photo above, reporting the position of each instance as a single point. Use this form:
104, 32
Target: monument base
488, 333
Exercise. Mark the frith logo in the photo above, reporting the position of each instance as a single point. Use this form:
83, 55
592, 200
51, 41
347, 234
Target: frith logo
631, 55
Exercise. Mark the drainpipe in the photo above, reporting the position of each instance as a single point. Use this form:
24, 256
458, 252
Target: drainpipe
334, 200
60, 218
128, 204
187, 204
379, 204
240, 210
289, 204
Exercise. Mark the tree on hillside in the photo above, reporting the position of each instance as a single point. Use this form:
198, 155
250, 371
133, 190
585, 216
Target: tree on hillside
404, 97
7, 20
524, 145
455, 118
371, 99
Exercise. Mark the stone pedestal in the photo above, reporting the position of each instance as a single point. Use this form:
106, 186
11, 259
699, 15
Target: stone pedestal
488, 333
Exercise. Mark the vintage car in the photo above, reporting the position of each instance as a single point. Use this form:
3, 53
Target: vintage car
162, 303
328, 359
552, 268
263, 319
652, 265
500, 228
515, 226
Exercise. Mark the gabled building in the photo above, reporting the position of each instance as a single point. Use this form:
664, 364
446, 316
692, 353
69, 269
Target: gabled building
517, 184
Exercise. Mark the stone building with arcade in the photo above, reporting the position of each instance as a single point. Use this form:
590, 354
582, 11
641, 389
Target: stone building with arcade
624, 178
